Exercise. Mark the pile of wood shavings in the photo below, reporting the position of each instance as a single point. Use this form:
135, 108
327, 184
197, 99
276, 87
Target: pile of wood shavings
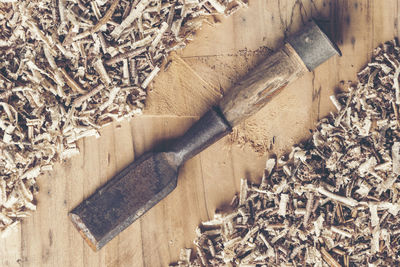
69, 67
334, 200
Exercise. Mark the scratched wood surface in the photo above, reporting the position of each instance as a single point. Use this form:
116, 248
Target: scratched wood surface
197, 78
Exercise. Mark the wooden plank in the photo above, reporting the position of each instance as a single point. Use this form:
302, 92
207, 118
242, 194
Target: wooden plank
10, 248
175, 90
198, 76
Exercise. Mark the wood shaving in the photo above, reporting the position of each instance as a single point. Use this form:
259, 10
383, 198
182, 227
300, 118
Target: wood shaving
67, 68
333, 201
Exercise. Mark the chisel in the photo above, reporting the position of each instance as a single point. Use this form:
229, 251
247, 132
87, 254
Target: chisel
151, 177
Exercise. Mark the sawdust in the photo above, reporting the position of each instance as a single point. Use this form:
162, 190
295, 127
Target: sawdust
252, 134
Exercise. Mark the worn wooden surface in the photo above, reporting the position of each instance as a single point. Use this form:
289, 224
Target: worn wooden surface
198, 76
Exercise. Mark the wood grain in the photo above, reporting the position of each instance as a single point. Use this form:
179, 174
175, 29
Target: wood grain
198, 76
262, 84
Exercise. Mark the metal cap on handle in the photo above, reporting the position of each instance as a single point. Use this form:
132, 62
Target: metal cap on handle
313, 46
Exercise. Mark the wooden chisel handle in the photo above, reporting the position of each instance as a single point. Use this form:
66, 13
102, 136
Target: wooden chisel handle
303, 52
261, 84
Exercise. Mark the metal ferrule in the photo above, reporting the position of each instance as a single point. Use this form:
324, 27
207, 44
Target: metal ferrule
313, 46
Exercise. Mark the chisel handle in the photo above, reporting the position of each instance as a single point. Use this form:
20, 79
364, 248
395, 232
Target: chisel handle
303, 52
261, 84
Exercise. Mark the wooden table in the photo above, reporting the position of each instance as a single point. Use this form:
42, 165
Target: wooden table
198, 76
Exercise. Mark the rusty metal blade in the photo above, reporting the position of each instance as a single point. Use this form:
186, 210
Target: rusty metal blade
143, 183
125, 198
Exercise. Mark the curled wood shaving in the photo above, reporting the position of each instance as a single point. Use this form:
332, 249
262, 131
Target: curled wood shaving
67, 68
333, 201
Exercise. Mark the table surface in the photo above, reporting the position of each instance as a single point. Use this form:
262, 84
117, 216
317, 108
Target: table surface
196, 79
